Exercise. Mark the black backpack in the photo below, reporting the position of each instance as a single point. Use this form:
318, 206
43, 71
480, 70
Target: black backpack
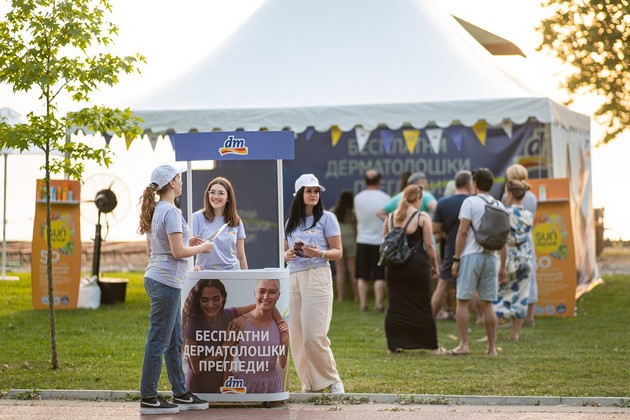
395, 248
494, 228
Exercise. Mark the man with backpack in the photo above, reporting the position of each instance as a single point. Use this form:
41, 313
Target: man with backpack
481, 232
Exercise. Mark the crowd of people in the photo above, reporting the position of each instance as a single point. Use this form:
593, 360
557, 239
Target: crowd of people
447, 264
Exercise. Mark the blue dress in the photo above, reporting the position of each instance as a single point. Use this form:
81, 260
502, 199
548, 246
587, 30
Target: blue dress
513, 296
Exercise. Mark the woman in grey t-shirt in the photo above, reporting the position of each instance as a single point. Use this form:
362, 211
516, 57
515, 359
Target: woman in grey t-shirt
168, 247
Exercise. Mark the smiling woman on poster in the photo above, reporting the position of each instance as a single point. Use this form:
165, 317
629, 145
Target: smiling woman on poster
271, 352
204, 315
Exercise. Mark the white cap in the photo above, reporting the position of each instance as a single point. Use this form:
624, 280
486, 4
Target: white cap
307, 180
164, 174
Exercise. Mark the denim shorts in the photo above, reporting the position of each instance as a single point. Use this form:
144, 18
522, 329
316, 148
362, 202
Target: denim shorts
478, 272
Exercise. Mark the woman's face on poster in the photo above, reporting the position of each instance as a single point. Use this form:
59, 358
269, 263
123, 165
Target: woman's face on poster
211, 302
267, 294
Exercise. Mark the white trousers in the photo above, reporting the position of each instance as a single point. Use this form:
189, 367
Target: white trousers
310, 312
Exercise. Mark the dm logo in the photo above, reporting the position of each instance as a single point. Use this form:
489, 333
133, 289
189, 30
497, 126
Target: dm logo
233, 146
233, 386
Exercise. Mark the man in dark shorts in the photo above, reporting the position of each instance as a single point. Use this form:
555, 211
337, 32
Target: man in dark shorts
446, 221
369, 236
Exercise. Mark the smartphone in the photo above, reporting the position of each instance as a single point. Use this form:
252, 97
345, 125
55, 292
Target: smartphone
298, 249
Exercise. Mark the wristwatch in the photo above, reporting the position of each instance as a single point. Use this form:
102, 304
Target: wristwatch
455, 259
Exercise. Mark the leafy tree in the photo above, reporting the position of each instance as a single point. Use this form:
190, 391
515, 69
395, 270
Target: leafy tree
593, 36
57, 50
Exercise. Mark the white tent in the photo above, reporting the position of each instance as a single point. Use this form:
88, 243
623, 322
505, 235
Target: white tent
368, 63
346, 63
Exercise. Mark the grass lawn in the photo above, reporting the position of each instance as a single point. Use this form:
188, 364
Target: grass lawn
587, 355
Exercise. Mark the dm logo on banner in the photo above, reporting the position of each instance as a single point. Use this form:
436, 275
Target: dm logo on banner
234, 145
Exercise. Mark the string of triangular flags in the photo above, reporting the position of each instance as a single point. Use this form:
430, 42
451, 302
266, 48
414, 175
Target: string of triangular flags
412, 136
362, 135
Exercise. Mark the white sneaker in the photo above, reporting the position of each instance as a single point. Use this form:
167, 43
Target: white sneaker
337, 388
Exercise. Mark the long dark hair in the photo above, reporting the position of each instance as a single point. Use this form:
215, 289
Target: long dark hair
344, 207
297, 212
192, 306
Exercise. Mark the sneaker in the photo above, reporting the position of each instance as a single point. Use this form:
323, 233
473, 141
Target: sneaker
337, 388
190, 401
157, 405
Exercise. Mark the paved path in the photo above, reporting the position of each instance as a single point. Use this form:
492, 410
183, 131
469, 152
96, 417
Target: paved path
85, 410
91, 404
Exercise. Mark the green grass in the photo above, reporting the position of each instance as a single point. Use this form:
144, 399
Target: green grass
587, 355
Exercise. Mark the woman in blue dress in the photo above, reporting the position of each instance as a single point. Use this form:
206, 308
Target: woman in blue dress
512, 300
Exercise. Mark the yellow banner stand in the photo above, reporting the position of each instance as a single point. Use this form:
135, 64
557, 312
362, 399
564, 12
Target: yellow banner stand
66, 244
556, 272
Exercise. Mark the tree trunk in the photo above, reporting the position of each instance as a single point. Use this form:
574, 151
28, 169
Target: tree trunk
51, 291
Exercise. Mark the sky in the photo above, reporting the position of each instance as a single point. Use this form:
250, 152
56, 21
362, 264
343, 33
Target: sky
174, 36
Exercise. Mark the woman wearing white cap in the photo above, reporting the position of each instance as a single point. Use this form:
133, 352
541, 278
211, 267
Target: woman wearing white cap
167, 245
313, 237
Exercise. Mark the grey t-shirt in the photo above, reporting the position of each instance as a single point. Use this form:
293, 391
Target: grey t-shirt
223, 255
163, 266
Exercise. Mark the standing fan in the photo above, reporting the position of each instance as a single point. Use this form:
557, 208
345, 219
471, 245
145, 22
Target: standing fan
111, 202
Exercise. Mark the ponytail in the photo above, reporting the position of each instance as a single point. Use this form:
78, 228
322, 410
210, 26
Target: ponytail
147, 208
410, 194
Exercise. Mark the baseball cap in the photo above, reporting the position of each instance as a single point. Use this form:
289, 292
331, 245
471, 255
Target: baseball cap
307, 180
164, 174
415, 177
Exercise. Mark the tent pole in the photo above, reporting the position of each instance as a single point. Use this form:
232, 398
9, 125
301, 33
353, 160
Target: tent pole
4, 225
189, 201
280, 214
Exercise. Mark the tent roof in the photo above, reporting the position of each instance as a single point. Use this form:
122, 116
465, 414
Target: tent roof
346, 63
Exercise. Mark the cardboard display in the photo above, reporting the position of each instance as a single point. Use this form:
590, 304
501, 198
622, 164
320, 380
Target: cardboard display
66, 245
556, 272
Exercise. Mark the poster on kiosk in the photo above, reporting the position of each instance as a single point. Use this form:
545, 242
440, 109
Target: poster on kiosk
228, 357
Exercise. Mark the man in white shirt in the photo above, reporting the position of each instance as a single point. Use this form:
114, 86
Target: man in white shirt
476, 267
369, 231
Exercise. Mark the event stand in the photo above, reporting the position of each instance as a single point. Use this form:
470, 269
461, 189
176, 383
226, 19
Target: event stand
240, 284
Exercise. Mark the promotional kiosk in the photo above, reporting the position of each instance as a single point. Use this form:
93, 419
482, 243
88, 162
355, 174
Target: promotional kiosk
228, 371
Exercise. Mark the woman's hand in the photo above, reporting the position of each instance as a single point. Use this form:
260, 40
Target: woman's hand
195, 240
206, 246
312, 251
435, 275
289, 254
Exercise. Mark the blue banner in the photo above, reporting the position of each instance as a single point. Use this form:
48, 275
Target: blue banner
439, 153
234, 145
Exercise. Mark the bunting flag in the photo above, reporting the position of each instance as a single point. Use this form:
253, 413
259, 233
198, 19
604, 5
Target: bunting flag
435, 137
128, 142
335, 134
108, 138
507, 127
411, 139
309, 133
480, 128
457, 134
153, 140
362, 135
387, 136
